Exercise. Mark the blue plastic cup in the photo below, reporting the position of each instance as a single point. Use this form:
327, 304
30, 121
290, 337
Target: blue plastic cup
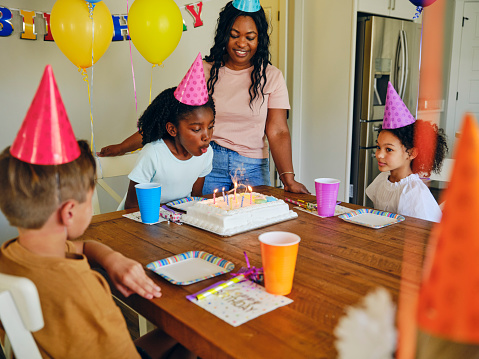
149, 195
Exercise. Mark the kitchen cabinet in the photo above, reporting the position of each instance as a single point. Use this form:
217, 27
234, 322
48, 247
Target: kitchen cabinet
401, 9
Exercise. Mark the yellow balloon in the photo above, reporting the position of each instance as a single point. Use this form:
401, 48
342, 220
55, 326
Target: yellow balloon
72, 30
155, 28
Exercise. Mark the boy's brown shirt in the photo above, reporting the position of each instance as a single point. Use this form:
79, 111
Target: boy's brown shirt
81, 318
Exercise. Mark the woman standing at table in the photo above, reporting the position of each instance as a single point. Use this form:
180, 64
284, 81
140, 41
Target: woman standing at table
251, 102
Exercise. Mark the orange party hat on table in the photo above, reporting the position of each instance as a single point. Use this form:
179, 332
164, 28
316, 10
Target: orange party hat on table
192, 89
449, 296
46, 136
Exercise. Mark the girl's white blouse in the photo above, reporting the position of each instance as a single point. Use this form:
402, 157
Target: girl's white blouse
409, 197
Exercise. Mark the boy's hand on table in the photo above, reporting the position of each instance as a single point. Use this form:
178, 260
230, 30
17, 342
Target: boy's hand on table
129, 277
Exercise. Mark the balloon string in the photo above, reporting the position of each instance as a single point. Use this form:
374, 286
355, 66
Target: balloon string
418, 12
132, 71
85, 78
91, 6
151, 78
151, 81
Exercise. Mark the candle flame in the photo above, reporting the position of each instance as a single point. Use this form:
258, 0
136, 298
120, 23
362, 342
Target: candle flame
216, 190
250, 189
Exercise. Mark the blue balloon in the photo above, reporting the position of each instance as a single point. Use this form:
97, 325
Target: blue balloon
93, 1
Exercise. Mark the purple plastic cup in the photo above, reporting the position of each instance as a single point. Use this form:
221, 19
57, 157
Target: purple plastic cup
326, 195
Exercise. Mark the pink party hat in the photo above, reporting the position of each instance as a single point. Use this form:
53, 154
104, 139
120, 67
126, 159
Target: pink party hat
247, 5
46, 136
396, 114
192, 89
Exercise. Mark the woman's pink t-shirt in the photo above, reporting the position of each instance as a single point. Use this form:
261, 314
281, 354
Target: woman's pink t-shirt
238, 127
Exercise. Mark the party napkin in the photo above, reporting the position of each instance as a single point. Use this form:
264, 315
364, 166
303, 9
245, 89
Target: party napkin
337, 211
240, 302
136, 216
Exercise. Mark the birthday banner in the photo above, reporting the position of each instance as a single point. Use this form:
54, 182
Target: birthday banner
33, 21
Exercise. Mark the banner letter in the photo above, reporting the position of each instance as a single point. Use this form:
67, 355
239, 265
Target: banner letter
120, 32
195, 11
48, 32
6, 27
28, 25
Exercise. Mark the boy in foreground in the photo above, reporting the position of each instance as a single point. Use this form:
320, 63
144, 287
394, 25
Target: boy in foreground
46, 186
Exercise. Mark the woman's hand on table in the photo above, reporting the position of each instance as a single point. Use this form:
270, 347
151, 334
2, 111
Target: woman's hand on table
129, 277
295, 187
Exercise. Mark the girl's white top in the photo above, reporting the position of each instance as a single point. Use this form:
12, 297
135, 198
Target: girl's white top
156, 163
409, 197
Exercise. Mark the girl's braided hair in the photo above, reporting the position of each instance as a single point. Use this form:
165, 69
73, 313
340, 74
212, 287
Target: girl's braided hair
165, 108
259, 61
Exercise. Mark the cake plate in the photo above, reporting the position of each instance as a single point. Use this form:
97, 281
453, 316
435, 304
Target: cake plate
231, 232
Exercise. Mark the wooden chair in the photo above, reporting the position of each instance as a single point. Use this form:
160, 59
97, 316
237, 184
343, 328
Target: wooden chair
108, 167
20, 314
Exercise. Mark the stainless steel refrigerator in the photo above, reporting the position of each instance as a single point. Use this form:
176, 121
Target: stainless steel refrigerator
387, 49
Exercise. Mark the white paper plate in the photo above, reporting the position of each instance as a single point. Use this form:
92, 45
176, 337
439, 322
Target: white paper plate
184, 203
372, 218
190, 267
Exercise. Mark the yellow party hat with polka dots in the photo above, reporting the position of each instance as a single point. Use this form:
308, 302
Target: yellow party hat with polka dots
448, 304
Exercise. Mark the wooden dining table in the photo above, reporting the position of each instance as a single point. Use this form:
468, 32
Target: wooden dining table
338, 264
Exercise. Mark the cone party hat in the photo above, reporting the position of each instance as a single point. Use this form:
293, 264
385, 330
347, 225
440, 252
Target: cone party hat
449, 295
192, 89
46, 136
396, 114
247, 5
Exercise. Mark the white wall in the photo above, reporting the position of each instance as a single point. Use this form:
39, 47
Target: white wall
321, 102
114, 115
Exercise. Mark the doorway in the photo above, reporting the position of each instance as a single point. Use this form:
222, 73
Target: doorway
276, 20
271, 9
464, 75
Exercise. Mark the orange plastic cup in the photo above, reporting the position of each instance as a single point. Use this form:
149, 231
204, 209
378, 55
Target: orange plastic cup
278, 252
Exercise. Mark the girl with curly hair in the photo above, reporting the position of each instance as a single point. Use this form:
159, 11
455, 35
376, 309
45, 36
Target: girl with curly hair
405, 149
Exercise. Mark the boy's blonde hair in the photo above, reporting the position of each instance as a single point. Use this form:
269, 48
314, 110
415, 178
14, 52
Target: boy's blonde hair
29, 193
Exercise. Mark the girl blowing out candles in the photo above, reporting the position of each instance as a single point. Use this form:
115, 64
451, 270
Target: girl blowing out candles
401, 155
176, 132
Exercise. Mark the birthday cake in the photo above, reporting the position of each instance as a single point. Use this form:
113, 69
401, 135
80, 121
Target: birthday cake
230, 214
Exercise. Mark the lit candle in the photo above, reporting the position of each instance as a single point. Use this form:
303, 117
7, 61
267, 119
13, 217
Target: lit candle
236, 185
250, 195
214, 195
224, 199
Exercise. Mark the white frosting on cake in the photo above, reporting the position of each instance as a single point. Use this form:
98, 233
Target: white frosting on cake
235, 216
